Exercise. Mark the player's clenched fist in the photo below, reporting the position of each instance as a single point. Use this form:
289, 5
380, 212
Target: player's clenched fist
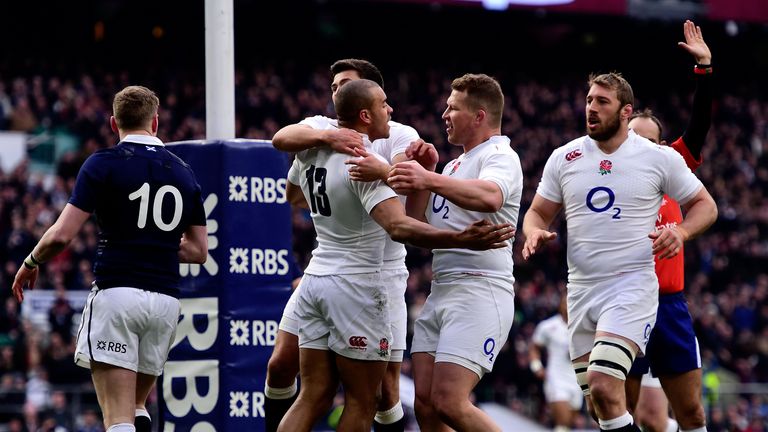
408, 177
424, 153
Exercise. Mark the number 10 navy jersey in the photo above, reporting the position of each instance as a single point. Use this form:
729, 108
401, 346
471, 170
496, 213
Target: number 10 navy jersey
144, 198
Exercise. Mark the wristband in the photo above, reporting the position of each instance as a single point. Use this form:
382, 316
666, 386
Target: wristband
702, 69
536, 365
30, 262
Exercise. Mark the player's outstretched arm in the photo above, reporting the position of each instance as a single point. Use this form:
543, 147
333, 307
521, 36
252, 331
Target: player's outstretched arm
536, 223
471, 194
480, 235
695, 134
194, 245
297, 137
55, 240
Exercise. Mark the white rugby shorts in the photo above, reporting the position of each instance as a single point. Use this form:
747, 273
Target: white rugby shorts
395, 281
625, 305
649, 380
127, 327
559, 390
348, 314
466, 320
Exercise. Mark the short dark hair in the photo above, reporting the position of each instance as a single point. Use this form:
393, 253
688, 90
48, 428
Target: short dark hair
483, 92
647, 113
353, 97
366, 69
134, 107
614, 81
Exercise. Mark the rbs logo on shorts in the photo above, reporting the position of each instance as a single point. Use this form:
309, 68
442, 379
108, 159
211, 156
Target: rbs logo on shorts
116, 347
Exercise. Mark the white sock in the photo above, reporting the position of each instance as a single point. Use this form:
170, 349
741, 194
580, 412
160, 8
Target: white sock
280, 393
618, 422
142, 413
122, 427
672, 425
391, 415
701, 429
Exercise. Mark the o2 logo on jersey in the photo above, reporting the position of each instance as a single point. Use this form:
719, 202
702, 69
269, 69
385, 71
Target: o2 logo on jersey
597, 194
488, 347
443, 207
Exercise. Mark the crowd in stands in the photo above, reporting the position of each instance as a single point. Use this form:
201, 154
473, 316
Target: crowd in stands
726, 277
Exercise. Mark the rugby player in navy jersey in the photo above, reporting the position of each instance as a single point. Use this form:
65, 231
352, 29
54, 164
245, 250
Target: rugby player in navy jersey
149, 209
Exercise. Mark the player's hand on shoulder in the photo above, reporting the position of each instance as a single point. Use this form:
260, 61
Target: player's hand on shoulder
408, 177
367, 167
667, 241
424, 153
23, 277
483, 235
537, 239
346, 140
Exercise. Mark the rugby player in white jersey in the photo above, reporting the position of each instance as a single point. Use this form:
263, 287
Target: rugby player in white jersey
561, 390
321, 131
610, 184
469, 312
342, 307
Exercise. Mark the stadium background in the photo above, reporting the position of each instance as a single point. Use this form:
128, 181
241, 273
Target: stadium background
62, 62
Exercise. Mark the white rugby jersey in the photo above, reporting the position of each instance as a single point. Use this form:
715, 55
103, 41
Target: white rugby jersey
552, 334
349, 241
400, 137
493, 160
611, 202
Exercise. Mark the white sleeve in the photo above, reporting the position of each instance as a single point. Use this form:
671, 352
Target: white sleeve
549, 186
540, 334
294, 175
316, 122
400, 143
679, 182
504, 170
371, 193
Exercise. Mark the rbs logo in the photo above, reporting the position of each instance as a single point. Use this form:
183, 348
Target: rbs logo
258, 261
111, 346
257, 189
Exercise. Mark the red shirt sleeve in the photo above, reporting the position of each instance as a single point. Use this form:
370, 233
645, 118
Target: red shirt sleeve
680, 147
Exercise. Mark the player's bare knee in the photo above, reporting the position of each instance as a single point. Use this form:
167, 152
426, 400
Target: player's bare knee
691, 416
281, 370
448, 408
611, 359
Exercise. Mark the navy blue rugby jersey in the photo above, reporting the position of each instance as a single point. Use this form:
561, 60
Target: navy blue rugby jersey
144, 198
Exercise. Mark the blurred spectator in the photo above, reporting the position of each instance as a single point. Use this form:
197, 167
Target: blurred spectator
60, 317
90, 422
58, 412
